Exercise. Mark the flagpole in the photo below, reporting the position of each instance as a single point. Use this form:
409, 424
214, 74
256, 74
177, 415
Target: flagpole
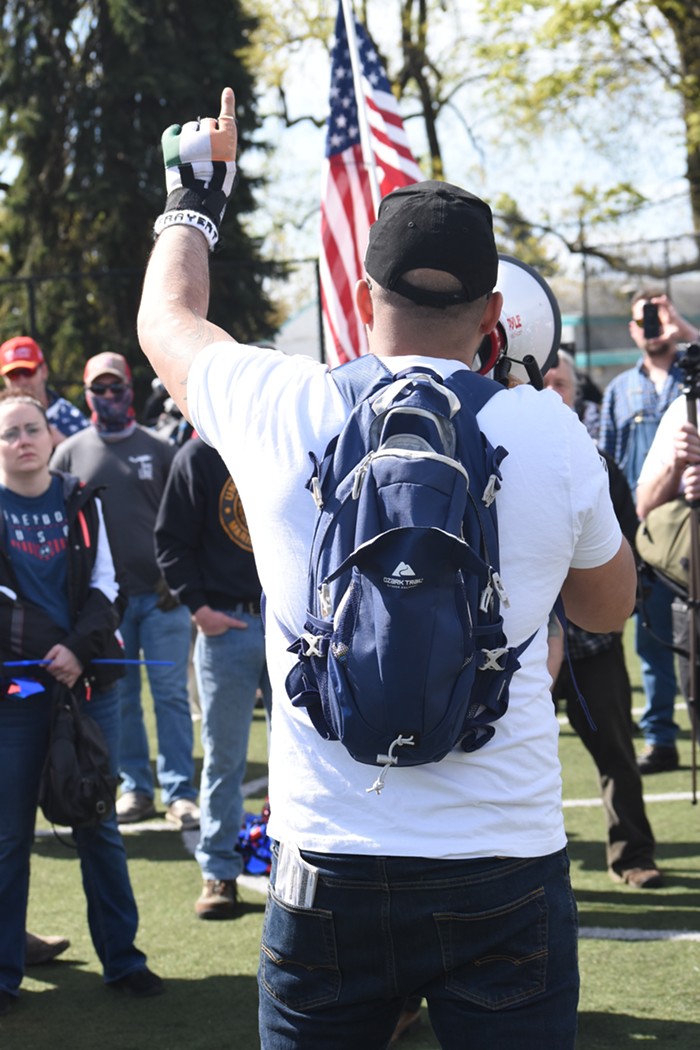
365, 139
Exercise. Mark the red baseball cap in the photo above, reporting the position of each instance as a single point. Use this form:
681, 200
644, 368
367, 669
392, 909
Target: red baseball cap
20, 352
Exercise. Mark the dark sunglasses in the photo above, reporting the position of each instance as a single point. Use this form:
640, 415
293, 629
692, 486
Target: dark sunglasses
102, 388
20, 373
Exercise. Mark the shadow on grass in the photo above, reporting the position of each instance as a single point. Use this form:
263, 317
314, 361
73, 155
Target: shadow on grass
604, 1031
674, 906
167, 845
66, 1006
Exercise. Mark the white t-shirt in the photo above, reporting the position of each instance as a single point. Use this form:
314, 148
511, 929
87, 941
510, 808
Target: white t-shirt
660, 453
264, 412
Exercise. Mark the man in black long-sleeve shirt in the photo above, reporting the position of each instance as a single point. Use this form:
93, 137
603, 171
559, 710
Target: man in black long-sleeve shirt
204, 551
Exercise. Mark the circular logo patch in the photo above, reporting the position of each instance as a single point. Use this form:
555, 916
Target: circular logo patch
232, 516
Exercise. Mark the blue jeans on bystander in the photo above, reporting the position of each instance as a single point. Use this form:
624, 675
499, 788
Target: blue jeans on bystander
152, 634
230, 668
111, 908
658, 668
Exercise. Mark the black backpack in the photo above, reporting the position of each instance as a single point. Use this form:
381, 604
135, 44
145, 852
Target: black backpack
77, 789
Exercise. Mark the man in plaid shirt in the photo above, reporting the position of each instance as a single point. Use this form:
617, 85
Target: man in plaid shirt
633, 404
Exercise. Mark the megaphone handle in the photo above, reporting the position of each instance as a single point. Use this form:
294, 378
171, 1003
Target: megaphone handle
533, 372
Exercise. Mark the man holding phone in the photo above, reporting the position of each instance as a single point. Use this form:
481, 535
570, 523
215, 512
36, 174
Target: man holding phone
633, 404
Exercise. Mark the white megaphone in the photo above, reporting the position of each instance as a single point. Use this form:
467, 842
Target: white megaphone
525, 341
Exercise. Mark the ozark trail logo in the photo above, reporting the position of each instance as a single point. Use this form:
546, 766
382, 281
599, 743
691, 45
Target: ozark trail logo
403, 577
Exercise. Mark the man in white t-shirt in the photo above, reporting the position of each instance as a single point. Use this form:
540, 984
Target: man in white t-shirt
453, 882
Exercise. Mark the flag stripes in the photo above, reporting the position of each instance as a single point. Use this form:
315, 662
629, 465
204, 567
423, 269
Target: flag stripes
347, 210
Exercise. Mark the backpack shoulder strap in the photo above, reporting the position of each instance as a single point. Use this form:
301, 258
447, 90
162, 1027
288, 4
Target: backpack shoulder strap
356, 379
474, 390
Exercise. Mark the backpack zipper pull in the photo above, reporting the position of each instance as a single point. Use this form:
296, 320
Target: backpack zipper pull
492, 487
315, 488
389, 760
486, 596
500, 590
362, 469
325, 603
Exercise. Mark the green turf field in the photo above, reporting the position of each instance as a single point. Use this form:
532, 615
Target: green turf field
635, 991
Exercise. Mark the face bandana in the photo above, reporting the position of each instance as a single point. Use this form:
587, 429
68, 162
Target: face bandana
113, 414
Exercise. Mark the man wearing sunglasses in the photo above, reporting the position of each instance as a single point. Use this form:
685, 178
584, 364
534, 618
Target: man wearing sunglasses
24, 370
633, 404
133, 464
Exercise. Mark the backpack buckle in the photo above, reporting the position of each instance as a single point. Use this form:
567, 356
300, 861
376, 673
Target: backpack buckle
312, 645
491, 658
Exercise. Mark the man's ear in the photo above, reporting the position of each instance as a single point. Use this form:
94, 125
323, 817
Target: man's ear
491, 314
363, 301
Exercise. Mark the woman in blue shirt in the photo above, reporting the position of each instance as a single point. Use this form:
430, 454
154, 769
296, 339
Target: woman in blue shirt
59, 603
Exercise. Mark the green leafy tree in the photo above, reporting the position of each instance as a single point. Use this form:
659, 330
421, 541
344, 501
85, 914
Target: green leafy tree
596, 66
86, 89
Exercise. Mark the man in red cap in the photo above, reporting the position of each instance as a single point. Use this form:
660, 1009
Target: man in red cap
24, 369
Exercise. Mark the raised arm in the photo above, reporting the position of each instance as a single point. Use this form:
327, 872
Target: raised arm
200, 174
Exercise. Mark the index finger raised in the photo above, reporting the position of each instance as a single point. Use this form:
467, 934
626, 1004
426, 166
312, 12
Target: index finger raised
228, 104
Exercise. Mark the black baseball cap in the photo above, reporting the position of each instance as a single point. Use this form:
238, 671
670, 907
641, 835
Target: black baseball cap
437, 226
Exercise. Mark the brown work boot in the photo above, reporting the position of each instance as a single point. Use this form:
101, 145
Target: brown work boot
643, 878
41, 950
218, 899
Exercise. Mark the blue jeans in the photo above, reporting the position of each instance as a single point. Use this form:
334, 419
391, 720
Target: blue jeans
157, 635
230, 668
658, 670
491, 944
111, 908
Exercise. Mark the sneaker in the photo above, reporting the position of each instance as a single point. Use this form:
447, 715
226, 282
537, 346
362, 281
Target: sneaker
7, 1001
657, 759
134, 806
140, 984
639, 878
218, 899
184, 814
41, 950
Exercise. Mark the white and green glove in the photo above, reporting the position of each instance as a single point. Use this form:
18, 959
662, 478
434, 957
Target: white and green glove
200, 174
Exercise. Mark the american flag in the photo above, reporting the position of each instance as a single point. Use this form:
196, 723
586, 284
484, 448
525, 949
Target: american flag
347, 210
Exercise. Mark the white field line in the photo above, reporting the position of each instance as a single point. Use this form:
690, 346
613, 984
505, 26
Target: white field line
259, 883
619, 933
670, 796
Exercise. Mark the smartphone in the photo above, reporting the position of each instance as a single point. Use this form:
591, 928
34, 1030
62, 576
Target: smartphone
652, 328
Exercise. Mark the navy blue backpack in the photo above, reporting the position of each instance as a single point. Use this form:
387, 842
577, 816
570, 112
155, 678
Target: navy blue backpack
403, 655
